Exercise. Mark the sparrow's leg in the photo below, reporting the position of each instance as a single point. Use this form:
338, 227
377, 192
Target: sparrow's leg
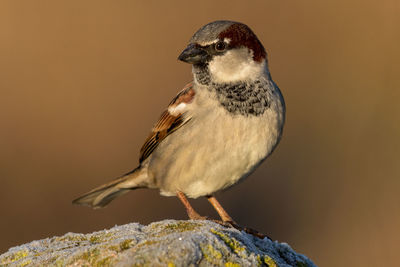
193, 215
228, 221
222, 213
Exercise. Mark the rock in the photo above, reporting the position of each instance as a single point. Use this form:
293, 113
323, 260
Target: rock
166, 243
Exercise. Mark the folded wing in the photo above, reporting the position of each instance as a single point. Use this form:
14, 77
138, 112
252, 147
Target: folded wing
171, 120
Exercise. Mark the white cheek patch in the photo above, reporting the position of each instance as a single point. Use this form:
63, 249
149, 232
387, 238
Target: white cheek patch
236, 65
179, 109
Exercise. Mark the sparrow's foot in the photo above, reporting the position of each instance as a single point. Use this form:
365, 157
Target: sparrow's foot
254, 232
193, 215
225, 223
242, 228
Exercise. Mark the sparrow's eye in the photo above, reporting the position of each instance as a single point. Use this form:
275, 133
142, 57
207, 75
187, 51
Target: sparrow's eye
220, 46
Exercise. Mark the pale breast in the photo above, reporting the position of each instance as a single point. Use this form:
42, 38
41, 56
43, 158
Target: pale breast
215, 149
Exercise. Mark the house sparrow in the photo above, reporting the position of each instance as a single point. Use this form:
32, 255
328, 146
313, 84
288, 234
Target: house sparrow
217, 130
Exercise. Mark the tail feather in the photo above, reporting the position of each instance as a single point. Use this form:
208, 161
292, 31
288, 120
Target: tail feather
104, 194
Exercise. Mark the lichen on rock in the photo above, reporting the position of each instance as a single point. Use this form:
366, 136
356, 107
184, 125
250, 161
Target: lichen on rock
166, 243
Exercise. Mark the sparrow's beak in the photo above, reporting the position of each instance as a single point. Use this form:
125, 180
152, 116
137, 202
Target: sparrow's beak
193, 54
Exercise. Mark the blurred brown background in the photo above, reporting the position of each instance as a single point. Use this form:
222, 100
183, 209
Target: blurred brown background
82, 82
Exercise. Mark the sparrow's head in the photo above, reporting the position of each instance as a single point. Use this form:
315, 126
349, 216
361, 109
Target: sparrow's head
228, 51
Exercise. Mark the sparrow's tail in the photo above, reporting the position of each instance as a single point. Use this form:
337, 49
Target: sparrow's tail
104, 194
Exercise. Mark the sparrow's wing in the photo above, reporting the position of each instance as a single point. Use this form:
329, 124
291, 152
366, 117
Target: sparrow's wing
171, 120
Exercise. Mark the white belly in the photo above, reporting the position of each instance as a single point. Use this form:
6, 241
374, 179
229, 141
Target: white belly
213, 150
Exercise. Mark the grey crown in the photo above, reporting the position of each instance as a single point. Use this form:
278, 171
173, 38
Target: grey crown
210, 31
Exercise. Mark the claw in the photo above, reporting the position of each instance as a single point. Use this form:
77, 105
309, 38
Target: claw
248, 230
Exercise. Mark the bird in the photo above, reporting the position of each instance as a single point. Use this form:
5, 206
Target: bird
216, 131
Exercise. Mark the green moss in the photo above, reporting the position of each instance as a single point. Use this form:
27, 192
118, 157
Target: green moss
259, 261
210, 253
100, 237
143, 264
182, 226
115, 248
92, 258
19, 255
69, 237
24, 263
232, 243
15, 257
178, 227
94, 239
91, 255
146, 243
269, 261
59, 262
265, 260
124, 245
105, 261
127, 244
231, 264
237, 248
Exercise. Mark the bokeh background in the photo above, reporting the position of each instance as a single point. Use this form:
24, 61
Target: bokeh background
82, 82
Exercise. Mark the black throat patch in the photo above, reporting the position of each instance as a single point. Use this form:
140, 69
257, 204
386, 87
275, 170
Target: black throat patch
240, 98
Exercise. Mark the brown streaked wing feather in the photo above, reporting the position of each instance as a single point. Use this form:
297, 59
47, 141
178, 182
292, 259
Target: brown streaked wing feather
167, 123
185, 95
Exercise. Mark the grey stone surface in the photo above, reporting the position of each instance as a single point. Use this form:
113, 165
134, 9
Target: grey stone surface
166, 243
